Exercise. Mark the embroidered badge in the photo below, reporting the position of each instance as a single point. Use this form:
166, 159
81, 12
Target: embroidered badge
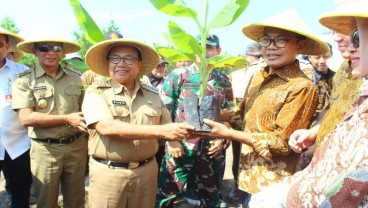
42, 103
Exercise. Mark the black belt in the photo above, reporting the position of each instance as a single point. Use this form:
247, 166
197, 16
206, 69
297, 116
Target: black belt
128, 165
66, 140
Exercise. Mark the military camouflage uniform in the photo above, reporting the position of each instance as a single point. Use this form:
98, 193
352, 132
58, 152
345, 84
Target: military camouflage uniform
175, 172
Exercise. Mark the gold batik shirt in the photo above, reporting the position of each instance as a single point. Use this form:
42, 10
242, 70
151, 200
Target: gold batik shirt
276, 105
344, 93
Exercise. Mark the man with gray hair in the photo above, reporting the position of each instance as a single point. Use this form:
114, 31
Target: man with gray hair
253, 52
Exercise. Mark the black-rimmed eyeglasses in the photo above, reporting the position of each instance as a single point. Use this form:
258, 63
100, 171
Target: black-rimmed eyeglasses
354, 38
47, 48
279, 42
115, 59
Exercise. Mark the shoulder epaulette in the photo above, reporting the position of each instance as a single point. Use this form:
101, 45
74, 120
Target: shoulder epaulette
73, 70
149, 88
24, 73
93, 89
101, 84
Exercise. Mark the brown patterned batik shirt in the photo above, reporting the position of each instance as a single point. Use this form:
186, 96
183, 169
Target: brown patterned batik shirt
276, 105
344, 93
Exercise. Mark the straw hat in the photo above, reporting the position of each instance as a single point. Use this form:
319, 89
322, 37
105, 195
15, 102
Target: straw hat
14, 39
96, 55
338, 20
17, 54
48, 35
290, 21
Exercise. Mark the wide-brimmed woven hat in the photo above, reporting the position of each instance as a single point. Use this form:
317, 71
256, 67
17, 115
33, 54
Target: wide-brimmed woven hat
48, 35
96, 55
14, 39
290, 21
338, 20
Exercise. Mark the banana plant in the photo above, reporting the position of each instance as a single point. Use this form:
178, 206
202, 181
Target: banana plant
186, 46
90, 29
85, 21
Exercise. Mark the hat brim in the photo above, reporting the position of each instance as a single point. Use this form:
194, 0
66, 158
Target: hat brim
96, 56
14, 39
339, 19
339, 22
163, 62
313, 45
69, 47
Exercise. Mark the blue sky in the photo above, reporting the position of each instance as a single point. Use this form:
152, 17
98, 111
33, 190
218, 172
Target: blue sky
139, 20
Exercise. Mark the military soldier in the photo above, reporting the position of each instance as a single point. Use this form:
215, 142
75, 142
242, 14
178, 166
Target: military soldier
194, 162
124, 120
48, 99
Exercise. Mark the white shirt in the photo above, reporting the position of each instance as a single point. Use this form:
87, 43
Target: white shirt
13, 136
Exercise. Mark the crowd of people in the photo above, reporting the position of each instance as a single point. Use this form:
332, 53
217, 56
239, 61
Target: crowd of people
298, 128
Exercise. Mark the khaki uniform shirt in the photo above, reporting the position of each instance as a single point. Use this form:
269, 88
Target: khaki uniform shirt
344, 93
276, 105
89, 77
112, 101
59, 96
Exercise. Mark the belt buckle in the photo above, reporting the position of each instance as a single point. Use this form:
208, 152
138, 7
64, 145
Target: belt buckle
133, 165
109, 164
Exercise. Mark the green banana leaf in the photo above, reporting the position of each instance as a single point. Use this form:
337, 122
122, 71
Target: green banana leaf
183, 41
85, 21
168, 38
175, 8
76, 64
229, 13
226, 60
174, 55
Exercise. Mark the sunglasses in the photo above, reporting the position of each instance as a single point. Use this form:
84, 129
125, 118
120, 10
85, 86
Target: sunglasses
47, 48
354, 38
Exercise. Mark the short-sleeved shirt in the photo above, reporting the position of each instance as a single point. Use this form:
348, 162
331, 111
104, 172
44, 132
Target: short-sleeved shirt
276, 105
13, 136
59, 96
343, 94
112, 101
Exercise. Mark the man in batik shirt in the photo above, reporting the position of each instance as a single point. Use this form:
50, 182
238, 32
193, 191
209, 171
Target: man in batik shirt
280, 99
338, 173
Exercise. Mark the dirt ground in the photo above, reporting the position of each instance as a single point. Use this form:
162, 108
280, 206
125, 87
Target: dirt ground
228, 185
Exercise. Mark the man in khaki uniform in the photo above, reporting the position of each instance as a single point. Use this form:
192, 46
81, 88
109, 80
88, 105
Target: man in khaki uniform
125, 118
48, 99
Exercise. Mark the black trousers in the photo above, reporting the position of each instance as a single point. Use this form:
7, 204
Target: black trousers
20, 178
236, 159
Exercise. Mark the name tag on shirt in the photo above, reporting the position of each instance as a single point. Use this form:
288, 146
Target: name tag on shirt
40, 88
117, 102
